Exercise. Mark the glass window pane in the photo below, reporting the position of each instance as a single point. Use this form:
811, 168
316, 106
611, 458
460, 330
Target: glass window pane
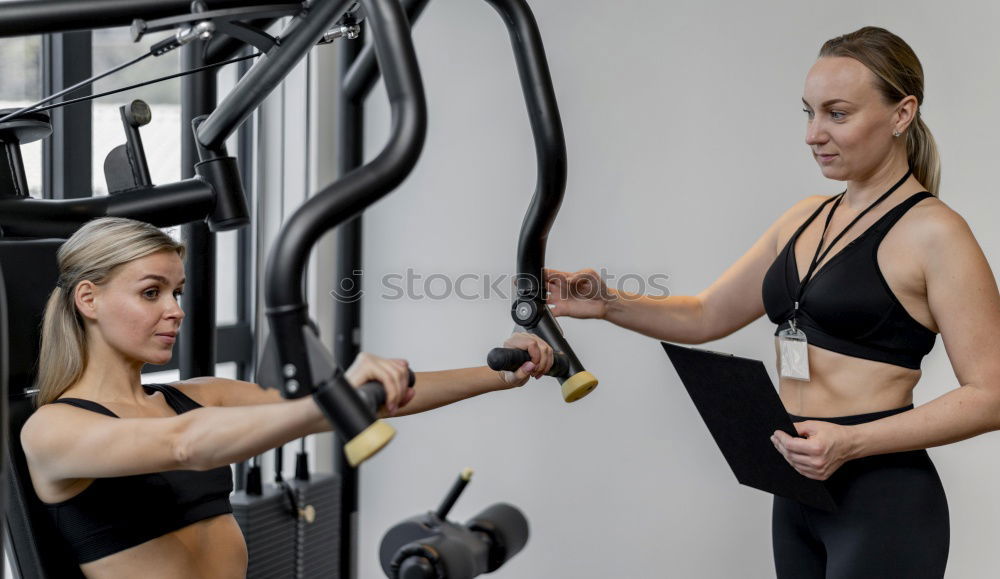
226, 370
21, 71
165, 377
161, 137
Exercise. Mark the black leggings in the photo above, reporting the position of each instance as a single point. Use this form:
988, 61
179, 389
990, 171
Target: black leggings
891, 520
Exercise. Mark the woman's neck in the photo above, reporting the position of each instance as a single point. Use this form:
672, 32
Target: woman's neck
863, 192
109, 376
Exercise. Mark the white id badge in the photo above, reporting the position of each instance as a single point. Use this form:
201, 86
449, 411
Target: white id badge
794, 354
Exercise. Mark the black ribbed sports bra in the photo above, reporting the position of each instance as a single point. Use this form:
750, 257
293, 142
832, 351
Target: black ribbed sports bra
847, 307
116, 513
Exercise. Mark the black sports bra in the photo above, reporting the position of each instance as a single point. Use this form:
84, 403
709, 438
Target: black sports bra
116, 513
847, 306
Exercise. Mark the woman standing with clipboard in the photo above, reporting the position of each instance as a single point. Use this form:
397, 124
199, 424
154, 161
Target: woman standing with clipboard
859, 285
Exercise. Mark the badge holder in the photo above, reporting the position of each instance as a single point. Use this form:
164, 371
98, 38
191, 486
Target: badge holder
794, 348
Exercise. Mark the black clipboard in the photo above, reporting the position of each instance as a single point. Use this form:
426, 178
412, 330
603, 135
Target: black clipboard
740, 406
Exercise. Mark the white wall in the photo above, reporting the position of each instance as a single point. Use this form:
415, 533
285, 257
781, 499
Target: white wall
685, 142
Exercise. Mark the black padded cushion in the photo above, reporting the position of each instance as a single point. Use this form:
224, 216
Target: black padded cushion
28, 272
24, 128
39, 549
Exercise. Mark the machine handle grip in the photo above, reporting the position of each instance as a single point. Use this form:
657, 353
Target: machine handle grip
373, 393
511, 359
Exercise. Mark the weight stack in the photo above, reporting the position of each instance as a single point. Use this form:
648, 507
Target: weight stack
316, 546
270, 529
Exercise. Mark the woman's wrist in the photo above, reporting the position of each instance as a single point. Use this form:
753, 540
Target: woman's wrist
496, 380
856, 437
614, 305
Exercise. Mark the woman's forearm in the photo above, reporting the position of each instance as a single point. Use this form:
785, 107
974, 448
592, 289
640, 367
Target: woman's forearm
669, 318
216, 436
436, 389
960, 414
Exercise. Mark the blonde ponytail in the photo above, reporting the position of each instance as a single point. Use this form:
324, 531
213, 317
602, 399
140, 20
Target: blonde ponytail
922, 153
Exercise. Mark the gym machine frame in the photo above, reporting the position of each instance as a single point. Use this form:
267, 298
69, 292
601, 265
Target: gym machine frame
216, 193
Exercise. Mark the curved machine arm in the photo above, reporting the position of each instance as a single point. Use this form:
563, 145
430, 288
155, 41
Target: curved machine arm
529, 309
293, 348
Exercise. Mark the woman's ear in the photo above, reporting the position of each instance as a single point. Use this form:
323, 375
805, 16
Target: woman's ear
906, 114
84, 296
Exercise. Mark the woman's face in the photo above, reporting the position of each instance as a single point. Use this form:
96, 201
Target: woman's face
850, 125
137, 311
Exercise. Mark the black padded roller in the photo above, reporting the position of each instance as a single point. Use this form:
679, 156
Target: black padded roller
508, 531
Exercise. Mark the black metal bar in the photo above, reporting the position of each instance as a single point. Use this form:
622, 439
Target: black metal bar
24, 17
14, 182
359, 80
244, 239
197, 336
244, 264
163, 206
4, 415
454, 493
543, 113
349, 124
225, 47
67, 169
364, 186
546, 127
302, 33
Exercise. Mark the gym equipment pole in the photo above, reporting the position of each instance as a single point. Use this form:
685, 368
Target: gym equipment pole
347, 312
347, 276
197, 340
199, 95
4, 393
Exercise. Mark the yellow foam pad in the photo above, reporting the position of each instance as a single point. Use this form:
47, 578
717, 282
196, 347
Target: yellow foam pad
368, 442
308, 514
577, 386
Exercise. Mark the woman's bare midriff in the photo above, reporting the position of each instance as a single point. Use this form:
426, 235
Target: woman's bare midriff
842, 385
212, 548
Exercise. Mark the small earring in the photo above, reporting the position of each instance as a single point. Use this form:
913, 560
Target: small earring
896, 134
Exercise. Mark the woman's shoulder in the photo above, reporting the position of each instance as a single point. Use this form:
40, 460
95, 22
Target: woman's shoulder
50, 422
808, 205
931, 222
215, 391
204, 390
798, 212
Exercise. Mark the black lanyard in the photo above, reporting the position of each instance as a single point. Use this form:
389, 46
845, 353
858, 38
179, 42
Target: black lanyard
817, 258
